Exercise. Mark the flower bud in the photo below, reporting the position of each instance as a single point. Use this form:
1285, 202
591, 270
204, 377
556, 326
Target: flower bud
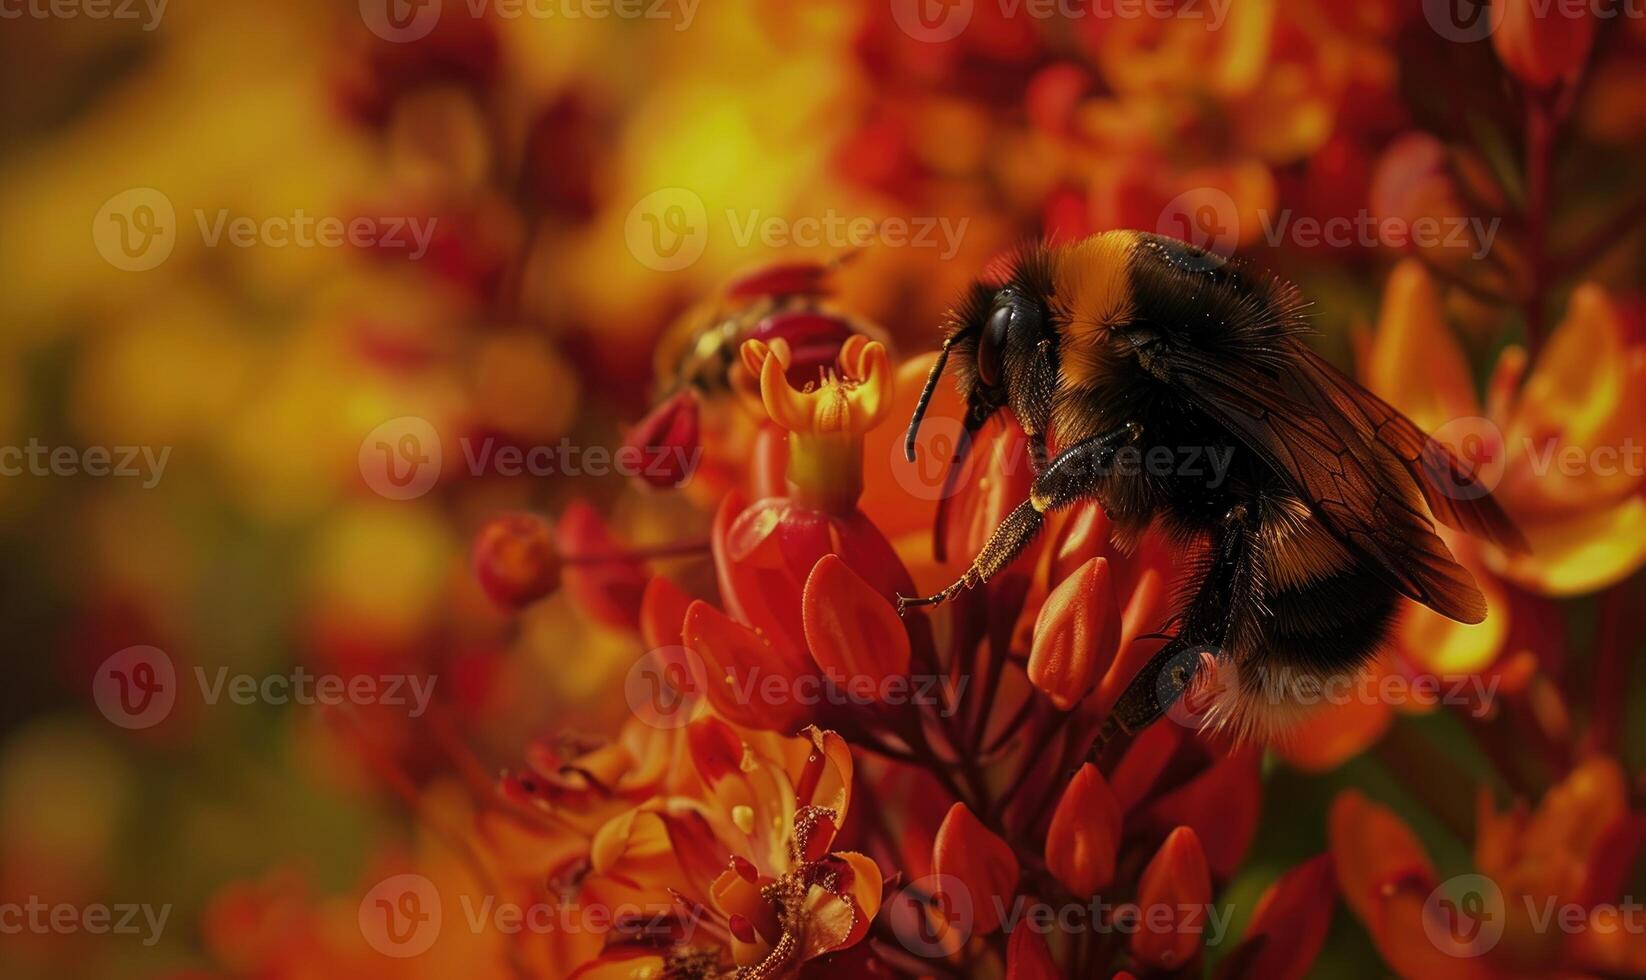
1178, 882
1289, 927
969, 853
1540, 42
1027, 957
1076, 635
515, 559
665, 443
1085, 832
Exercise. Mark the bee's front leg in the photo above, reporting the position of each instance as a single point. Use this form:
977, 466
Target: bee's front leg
1077, 473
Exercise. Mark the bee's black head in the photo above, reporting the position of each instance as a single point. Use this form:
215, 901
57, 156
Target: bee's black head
990, 334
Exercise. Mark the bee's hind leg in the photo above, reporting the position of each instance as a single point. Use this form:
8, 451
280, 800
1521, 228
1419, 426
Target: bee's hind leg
1077, 473
1230, 584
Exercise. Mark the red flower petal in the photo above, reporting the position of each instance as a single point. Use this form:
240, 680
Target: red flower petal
662, 613
749, 683
854, 634
608, 591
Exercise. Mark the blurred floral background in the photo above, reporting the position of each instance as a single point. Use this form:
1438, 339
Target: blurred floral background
284, 285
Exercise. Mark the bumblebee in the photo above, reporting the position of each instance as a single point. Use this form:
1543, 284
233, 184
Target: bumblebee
1137, 345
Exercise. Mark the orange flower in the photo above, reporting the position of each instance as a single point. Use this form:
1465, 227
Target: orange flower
827, 420
784, 897
1542, 900
1553, 445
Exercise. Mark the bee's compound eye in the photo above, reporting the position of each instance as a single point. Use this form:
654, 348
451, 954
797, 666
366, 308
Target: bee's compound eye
992, 345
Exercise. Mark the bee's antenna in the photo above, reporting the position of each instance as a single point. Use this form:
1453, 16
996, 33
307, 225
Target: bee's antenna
925, 399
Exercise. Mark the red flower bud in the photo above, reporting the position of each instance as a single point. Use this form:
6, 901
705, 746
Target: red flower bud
515, 559
1176, 888
1289, 927
1222, 804
664, 445
1076, 635
969, 855
1027, 957
1540, 42
1085, 832
781, 279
